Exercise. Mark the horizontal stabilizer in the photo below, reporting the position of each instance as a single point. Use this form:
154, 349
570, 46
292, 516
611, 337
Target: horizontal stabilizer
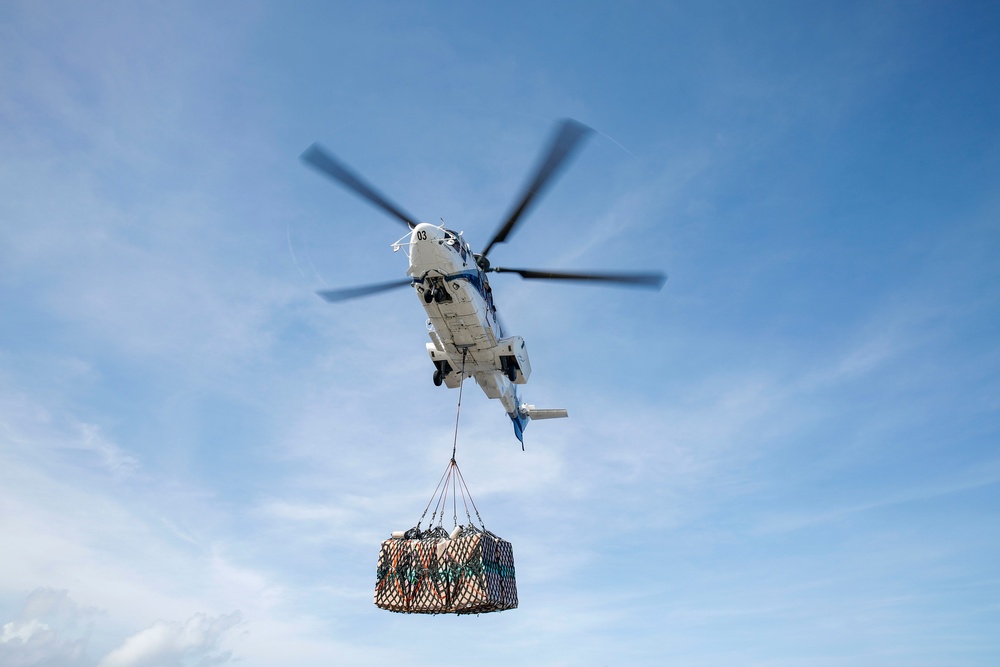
536, 413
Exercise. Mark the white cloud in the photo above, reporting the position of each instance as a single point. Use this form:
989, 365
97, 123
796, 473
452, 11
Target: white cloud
35, 644
50, 630
197, 641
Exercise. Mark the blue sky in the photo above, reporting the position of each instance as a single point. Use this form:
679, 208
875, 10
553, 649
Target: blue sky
788, 456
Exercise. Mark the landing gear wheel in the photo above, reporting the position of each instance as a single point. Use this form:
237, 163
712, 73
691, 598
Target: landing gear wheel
511, 372
428, 295
438, 378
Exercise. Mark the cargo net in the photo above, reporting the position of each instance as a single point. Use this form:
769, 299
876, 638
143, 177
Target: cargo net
467, 571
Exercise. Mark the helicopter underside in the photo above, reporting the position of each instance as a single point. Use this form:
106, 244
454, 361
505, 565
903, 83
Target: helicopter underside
467, 340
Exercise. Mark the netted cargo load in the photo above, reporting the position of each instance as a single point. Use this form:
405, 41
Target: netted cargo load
469, 571
471, 574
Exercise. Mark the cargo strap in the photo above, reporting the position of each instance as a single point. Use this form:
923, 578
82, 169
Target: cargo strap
451, 482
458, 412
450, 487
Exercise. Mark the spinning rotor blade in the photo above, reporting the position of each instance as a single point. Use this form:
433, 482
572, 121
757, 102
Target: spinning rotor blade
344, 294
653, 280
323, 161
565, 139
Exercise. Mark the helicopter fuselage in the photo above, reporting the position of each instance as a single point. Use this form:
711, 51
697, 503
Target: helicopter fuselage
467, 339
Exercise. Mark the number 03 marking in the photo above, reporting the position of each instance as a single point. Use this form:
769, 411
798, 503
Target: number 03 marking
421, 235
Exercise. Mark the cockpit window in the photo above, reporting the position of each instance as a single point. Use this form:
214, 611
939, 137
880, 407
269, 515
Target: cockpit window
453, 240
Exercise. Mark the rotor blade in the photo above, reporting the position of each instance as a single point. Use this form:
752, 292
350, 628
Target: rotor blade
344, 294
566, 137
653, 280
329, 165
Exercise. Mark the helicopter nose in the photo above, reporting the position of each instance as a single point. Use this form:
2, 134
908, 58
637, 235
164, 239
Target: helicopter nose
428, 249
426, 232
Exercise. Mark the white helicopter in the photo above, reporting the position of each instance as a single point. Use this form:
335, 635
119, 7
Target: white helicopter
467, 338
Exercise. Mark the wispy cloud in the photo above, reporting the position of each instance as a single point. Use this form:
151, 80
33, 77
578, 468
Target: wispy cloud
32, 431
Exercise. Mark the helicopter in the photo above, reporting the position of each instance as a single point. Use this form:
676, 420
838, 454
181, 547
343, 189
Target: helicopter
467, 338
